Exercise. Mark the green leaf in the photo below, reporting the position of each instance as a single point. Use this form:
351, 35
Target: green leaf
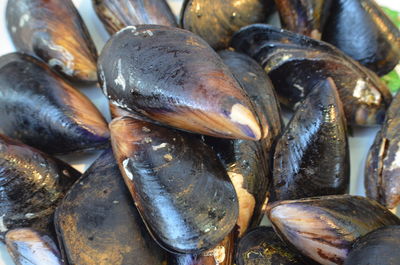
393, 15
393, 78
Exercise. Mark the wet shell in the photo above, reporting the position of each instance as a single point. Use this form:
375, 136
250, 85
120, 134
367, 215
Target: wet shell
216, 20
43, 111
98, 224
29, 247
53, 31
247, 166
361, 29
262, 246
247, 162
172, 76
312, 156
296, 63
324, 228
32, 184
257, 85
304, 17
382, 173
222, 254
378, 247
118, 14
180, 188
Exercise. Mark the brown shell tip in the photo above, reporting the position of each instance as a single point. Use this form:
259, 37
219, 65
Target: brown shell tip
248, 124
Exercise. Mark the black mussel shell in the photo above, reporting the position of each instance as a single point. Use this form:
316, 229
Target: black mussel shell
257, 85
216, 20
247, 162
296, 63
382, 173
378, 247
262, 246
40, 109
304, 17
98, 224
32, 184
312, 155
180, 188
118, 14
29, 247
53, 31
362, 30
324, 228
171, 76
222, 254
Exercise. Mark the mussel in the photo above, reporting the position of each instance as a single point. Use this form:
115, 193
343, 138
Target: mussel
262, 246
222, 254
40, 109
247, 162
32, 184
312, 155
324, 228
98, 224
29, 247
257, 85
304, 17
296, 63
377, 247
171, 76
382, 172
53, 31
216, 20
180, 188
361, 29
118, 14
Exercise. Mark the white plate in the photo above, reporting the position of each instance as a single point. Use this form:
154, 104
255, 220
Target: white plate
359, 142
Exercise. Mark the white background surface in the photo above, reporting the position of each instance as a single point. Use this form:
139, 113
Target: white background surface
359, 143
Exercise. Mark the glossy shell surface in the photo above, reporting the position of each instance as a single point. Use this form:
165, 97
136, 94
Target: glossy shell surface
97, 222
42, 110
29, 247
179, 186
361, 29
173, 77
216, 20
312, 155
32, 184
382, 172
324, 228
118, 14
296, 63
53, 31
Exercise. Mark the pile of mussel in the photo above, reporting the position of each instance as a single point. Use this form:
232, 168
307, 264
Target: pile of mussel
197, 152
